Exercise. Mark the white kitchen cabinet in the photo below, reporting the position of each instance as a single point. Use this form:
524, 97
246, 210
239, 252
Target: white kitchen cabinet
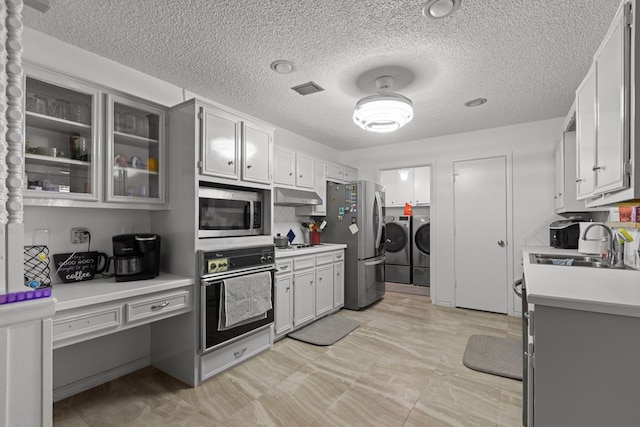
60, 110
303, 290
293, 169
564, 197
349, 174
135, 151
69, 131
317, 289
422, 185
338, 280
233, 147
324, 284
388, 180
320, 187
586, 109
257, 149
220, 143
283, 301
285, 167
414, 189
341, 173
604, 101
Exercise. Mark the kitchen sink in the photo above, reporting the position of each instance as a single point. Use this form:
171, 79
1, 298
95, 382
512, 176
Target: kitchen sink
569, 260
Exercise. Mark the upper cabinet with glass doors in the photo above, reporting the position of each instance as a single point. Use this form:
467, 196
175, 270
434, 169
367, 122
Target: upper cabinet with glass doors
135, 151
61, 139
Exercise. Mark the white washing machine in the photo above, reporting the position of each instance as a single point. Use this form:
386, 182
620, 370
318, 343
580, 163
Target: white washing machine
398, 249
421, 248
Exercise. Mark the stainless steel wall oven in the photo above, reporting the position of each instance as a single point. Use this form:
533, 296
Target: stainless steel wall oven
224, 318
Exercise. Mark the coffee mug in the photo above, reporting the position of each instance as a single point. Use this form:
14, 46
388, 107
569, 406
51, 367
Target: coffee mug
79, 266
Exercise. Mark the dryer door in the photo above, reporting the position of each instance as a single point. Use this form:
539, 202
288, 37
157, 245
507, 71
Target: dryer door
397, 239
422, 246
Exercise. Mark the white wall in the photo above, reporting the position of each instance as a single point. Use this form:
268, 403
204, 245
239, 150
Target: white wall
531, 148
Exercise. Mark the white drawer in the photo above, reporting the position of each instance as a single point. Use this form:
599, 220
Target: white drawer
158, 305
303, 262
324, 258
338, 256
87, 322
284, 266
234, 353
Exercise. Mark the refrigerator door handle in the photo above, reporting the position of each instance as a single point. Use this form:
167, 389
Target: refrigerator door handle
379, 233
370, 263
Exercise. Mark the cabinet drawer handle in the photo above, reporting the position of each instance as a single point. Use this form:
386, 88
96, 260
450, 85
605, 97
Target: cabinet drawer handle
239, 353
230, 162
339, 256
284, 267
248, 166
159, 306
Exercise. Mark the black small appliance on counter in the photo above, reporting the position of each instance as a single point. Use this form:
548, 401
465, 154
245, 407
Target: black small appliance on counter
564, 234
136, 256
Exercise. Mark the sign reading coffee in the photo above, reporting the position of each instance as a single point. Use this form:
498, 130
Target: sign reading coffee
79, 266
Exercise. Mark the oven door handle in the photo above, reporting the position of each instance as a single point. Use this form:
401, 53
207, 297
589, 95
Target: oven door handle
216, 277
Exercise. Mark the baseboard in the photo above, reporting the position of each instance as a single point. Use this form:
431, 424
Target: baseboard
407, 289
100, 378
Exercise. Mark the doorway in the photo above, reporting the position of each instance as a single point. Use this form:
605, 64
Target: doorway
481, 234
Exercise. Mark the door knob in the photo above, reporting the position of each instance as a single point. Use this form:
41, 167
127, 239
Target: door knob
501, 243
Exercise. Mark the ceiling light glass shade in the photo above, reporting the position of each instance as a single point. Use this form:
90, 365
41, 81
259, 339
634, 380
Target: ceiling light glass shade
383, 113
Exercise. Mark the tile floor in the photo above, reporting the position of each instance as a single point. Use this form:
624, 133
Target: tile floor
401, 367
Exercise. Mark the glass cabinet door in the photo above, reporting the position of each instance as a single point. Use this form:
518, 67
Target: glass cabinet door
61, 139
135, 151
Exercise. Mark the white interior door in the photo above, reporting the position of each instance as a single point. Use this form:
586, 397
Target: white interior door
480, 224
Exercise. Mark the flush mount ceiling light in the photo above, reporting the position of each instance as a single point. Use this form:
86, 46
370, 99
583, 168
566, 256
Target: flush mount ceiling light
283, 67
384, 112
437, 9
475, 102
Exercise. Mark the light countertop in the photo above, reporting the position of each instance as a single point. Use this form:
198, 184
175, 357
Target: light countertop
81, 294
322, 247
602, 290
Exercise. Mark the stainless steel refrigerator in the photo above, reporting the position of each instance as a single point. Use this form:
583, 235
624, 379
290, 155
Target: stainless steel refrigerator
355, 213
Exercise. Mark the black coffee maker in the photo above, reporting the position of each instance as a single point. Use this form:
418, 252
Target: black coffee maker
136, 256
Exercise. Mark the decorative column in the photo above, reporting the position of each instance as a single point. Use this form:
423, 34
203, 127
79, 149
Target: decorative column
11, 148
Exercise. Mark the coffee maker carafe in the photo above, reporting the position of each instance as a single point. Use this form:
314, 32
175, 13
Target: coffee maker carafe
136, 256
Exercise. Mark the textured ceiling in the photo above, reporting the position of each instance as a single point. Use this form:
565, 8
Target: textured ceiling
527, 57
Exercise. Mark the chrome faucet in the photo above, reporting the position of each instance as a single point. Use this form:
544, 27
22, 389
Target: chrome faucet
611, 255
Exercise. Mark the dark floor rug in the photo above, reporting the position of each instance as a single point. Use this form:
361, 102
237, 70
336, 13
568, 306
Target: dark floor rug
494, 355
326, 331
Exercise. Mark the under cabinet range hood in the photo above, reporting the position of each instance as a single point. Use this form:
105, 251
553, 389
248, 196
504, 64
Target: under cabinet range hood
294, 197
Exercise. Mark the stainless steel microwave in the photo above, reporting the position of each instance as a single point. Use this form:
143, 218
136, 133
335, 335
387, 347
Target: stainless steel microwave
226, 212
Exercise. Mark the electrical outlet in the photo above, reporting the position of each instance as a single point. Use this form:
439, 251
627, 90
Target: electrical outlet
79, 235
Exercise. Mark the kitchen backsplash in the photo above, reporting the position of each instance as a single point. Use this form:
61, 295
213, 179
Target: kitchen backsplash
285, 219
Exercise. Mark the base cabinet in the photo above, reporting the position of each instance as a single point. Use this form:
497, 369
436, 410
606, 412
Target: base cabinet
283, 300
303, 290
586, 368
324, 284
307, 288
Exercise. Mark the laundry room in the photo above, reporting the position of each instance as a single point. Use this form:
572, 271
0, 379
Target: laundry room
407, 220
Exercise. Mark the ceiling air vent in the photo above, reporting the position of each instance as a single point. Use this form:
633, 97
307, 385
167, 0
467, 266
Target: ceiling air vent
307, 88
40, 5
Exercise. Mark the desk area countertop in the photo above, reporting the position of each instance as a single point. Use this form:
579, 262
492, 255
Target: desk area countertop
81, 294
601, 290
310, 250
